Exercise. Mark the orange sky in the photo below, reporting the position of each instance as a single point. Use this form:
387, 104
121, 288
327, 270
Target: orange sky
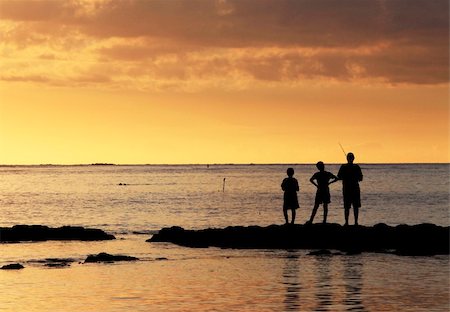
223, 81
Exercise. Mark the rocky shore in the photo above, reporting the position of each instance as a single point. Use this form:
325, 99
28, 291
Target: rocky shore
415, 240
19, 233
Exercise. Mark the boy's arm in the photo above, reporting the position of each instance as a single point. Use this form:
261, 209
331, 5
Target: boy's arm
312, 181
334, 179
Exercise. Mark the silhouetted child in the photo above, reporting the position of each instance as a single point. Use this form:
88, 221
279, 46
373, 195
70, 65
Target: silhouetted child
351, 175
321, 180
290, 188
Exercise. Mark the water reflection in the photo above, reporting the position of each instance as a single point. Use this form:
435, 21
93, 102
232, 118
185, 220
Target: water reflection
353, 277
291, 280
323, 294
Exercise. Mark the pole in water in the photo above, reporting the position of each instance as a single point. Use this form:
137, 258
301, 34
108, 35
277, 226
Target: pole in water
223, 187
343, 150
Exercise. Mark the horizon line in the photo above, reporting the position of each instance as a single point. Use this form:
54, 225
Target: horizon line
217, 164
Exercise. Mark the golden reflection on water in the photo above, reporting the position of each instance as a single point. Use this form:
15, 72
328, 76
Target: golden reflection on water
215, 279
291, 280
323, 284
335, 283
353, 278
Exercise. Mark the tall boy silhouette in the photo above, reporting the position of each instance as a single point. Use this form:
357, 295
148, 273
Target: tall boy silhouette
351, 175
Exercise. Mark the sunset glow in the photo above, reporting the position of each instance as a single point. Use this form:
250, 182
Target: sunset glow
143, 82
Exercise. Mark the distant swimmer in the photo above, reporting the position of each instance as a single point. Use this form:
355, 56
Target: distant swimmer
351, 175
322, 179
290, 188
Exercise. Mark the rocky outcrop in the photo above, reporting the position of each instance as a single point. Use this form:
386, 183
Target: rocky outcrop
20, 233
421, 239
12, 266
105, 257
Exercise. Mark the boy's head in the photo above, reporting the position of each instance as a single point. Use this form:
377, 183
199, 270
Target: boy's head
290, 172
350, 158
320, 166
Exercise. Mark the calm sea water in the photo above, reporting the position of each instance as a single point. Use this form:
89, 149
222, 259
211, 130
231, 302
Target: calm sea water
213, 279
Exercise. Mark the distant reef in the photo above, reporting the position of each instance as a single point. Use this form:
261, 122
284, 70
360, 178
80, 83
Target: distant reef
102, 164
20, 233
414, 240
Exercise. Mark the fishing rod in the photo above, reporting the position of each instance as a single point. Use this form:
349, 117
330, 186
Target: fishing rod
342, 149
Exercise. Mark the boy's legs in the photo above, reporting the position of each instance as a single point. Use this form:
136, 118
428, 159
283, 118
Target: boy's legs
356, 213
285, 215
346, 213
325, 212
356, 201
313, 213
347, 205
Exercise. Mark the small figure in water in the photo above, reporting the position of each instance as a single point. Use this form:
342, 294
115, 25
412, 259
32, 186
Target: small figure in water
290, 188
321, 180
351, 175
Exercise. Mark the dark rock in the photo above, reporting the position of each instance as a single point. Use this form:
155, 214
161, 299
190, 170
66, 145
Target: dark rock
12, 266
421, 239
43, 233
59, 260
141, 232
105, 257
54, 262
57, 264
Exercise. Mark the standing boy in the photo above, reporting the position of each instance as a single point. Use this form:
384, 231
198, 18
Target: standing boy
321, 180
351, 175
290, 188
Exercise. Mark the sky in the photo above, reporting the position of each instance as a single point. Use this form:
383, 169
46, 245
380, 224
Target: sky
223, 81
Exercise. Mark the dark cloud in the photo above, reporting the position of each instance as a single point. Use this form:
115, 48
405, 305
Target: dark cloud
41, 10
312, 23
398, 41
315, 23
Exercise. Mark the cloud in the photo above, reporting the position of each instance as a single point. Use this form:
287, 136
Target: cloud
43, 10
196, 41
311, 23
30, 78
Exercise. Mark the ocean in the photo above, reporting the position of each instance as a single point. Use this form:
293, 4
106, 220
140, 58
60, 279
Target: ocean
134, 202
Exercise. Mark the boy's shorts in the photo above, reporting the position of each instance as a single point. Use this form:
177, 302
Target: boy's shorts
322, 197
352, 199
